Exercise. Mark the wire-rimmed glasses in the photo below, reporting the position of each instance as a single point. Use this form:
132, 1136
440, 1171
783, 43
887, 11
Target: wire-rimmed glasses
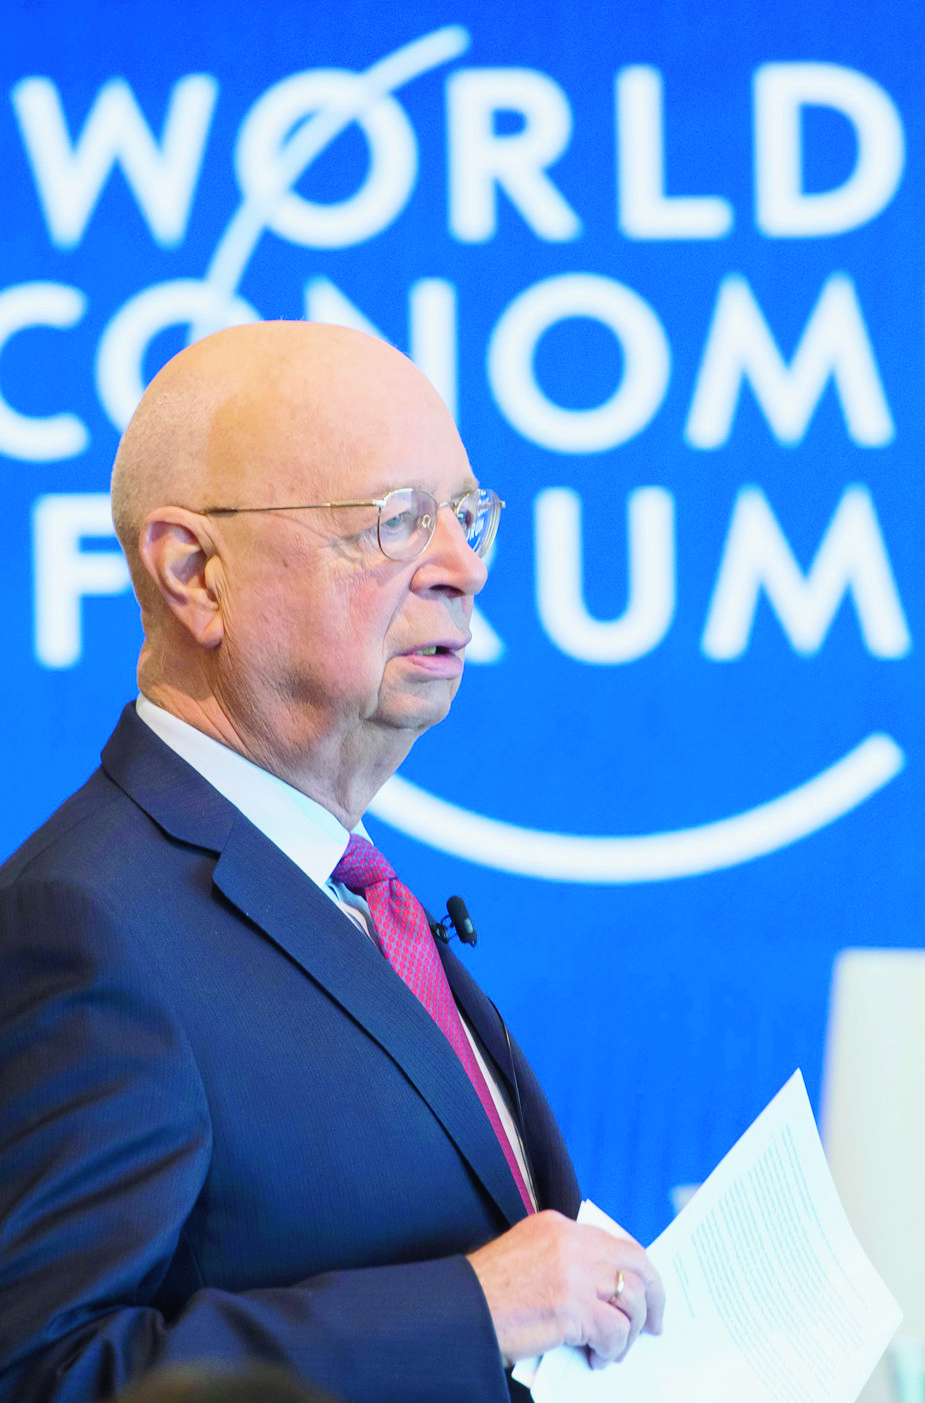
408, 518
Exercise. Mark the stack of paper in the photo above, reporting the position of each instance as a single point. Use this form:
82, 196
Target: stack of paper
770, 1297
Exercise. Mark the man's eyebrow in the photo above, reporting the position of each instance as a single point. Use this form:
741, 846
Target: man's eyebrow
469, 485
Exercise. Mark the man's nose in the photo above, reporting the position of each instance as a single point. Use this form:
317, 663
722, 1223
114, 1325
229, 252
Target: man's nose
451, 555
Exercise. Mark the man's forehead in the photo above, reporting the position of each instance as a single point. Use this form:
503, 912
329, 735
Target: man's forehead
354, 481
282, 442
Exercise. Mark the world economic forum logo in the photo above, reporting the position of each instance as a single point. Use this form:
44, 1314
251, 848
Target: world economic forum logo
285, 132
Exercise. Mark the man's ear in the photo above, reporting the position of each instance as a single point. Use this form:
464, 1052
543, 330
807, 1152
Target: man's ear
179, 554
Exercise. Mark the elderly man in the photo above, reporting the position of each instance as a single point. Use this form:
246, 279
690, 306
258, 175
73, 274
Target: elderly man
249, 1110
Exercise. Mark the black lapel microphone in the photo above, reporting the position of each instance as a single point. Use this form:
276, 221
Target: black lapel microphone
459, 918
457, 913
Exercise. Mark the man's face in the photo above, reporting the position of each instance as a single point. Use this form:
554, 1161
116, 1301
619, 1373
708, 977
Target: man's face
325, 638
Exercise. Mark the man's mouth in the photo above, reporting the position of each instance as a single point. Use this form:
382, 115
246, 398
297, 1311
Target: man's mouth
441, 659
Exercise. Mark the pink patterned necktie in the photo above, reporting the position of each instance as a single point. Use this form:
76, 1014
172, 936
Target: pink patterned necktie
408, 945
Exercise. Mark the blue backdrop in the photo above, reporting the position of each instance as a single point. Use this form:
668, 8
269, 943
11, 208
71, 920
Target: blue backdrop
664, 262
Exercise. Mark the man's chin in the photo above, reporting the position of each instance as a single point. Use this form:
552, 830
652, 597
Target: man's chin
417, 711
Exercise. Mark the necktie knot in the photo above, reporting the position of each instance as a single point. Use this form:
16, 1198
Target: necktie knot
397, 915
362, 866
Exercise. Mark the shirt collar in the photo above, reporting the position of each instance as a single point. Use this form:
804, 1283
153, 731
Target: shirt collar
299, 826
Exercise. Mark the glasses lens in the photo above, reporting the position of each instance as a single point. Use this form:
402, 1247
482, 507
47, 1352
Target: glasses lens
478, 514
407, 519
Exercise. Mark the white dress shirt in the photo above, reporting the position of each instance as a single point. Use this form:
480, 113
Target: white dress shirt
307, 833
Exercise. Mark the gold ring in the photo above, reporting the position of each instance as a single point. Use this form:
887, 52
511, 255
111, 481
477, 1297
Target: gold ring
618, 1289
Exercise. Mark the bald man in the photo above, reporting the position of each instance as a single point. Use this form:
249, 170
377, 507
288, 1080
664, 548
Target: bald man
249, 1109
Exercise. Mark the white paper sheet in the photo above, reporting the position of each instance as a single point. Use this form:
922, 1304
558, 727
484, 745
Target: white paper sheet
770, 1297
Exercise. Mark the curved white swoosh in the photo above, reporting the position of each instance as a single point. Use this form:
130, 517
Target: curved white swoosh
248, 223
650, 857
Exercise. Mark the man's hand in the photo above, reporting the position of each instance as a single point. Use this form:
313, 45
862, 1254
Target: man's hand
549, 1281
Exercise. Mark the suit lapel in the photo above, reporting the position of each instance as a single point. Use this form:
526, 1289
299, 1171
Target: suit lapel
553, 1173
268, 889
480, 1012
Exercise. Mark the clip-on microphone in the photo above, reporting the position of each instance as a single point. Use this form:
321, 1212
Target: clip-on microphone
458, 916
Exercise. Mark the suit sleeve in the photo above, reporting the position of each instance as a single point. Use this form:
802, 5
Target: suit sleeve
105, 1142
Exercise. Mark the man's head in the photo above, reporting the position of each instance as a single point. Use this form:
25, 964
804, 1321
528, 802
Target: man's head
288, 634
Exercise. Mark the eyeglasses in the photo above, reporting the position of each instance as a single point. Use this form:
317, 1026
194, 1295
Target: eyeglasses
408, 518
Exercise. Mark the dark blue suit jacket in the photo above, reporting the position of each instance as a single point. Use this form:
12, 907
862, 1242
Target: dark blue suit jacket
227, 1129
